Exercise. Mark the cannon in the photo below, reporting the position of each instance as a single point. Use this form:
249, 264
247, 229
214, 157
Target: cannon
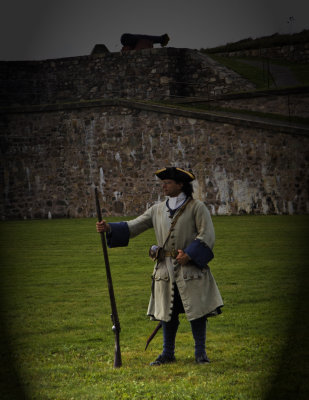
131, 41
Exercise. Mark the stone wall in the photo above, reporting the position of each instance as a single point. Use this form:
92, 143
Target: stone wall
69, 125
52, 160
296, 52
144, 74
293, 103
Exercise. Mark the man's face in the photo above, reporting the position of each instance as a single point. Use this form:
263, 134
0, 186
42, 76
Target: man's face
171, 188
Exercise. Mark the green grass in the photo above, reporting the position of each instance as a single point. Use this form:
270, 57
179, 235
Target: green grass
59, 343
252, 73
256, 75
300, 70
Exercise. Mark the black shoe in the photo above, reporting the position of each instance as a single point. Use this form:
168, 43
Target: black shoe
202, 359
163, 360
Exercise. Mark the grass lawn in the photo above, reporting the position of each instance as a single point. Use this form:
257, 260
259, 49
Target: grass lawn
57, 341
250, 72
256, 75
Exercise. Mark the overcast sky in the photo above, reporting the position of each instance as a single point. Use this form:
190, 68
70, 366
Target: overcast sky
45, 29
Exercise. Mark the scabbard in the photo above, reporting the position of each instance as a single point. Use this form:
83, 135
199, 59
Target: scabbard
153, 334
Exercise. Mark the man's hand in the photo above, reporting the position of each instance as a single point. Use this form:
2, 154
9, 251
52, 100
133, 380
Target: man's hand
182, 257
102, 226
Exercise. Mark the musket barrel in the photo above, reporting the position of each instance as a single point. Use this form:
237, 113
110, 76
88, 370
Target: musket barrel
114, 316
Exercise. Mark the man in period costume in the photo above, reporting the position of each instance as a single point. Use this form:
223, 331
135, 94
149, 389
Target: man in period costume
182, 281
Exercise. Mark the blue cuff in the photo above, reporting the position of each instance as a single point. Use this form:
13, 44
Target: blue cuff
119, 235
199, 253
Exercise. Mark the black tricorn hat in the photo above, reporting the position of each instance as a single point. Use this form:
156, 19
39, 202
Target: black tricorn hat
176, 174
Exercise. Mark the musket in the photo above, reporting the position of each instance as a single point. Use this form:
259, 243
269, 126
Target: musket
114, 315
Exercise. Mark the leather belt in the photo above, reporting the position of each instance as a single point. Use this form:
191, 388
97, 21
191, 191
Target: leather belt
173, 253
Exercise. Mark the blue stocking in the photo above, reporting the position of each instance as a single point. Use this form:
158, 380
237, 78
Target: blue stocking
198, 327
169, 336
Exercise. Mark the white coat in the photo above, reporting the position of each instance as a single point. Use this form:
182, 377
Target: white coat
197, 287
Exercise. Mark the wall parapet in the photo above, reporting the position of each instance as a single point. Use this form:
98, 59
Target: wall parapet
221, 117
144, 74
298, 52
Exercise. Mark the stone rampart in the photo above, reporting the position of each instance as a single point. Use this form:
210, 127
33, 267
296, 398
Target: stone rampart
287, 102
53, 157
69, 125
144, 74
291, 52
